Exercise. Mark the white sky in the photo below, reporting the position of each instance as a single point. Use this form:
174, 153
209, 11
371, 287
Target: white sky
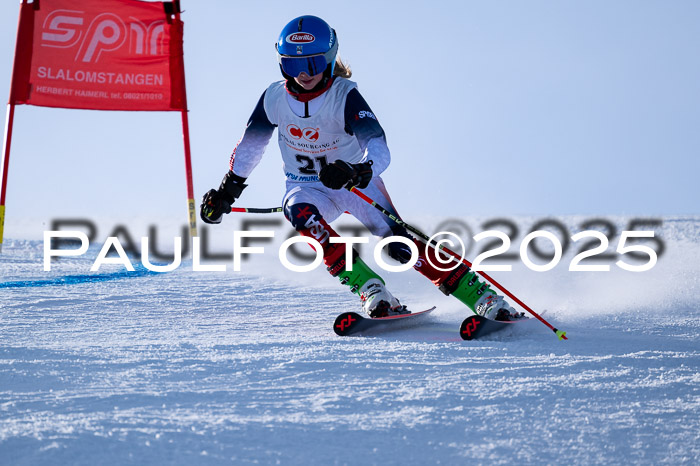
490, 108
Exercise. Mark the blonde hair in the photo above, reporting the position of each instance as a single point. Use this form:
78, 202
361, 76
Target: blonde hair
341, 69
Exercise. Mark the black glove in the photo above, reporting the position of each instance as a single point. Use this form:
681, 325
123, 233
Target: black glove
215, 203
341, 174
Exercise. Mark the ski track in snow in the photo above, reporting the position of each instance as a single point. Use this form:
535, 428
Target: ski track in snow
211, 368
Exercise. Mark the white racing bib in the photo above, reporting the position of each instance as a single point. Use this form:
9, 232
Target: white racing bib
308, 144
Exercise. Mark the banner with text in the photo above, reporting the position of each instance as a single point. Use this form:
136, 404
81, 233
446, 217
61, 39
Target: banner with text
100, 55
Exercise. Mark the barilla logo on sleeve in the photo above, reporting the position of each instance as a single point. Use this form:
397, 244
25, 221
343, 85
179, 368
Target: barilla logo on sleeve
300, 38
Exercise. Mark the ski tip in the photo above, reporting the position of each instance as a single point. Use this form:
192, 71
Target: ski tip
470, 327
561, 334
346, 322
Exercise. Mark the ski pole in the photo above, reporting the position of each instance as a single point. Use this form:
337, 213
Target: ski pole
561, 334
254, 210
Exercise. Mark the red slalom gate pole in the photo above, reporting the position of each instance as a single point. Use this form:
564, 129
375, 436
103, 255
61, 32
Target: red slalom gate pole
426, 238
191, 212
7, 143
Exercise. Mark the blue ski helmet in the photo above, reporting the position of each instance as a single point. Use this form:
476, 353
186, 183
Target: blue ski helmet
307, 44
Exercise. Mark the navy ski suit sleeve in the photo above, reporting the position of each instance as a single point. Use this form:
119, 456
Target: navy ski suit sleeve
251, 147
361, 122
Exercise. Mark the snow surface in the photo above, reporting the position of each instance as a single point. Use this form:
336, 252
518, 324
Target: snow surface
244, 368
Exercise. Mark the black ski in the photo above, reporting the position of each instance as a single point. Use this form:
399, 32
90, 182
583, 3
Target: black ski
349, 323
478, 326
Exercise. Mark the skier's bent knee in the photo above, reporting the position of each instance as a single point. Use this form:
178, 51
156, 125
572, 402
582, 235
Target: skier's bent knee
301, 215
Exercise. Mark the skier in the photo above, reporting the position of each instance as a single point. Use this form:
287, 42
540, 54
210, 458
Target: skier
331, 140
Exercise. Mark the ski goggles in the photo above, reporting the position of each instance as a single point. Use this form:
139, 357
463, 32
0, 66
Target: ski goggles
311, 65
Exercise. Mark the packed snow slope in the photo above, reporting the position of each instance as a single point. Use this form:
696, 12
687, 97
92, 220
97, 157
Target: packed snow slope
243, 367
